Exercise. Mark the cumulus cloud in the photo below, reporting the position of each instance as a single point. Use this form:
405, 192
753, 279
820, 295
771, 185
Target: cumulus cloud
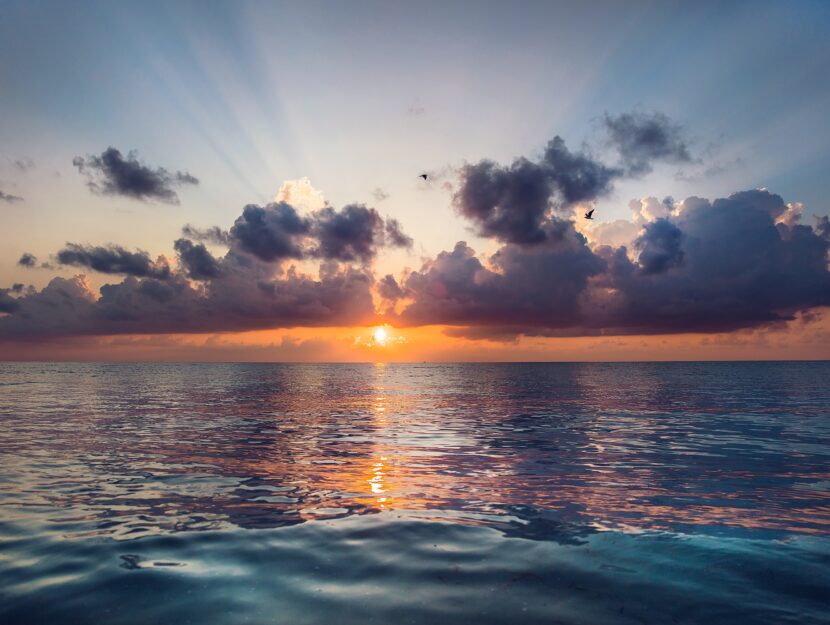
508, 203
246, 296
350, 234
252, 286
643, 138
515, 203
113, 259
277, 231
198, 263
112, 174
648, 209
577, 176
301, 194
659, 246
703, 267
677, 266
9, 198
518, 285
272, 232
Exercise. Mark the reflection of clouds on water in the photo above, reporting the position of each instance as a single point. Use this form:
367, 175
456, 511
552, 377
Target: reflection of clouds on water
534, 450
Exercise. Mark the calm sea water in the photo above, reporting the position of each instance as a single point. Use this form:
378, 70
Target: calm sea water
328, 494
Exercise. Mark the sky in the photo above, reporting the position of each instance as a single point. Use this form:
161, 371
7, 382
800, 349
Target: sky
241, 181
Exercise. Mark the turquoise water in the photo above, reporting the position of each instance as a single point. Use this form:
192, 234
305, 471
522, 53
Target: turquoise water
515, 493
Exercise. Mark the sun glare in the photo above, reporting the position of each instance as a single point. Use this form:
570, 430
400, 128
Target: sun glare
380, 336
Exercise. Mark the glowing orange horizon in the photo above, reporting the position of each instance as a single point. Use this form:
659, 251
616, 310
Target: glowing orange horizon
800, 339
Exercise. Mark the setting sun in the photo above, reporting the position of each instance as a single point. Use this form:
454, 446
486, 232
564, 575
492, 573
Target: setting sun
380, 336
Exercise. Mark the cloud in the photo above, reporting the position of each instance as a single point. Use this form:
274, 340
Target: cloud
648, 209
643, 138
395, 235
696, 265
214, 234
198, 263
301, 194
353, 233
276, 232
251, 287
112, 174
245, 297
9, 198
27, 260
518, 285
271, 232
513, 204
704, 267
660, 247
507, 203
389, 289
113, 259
577, 176
8, 304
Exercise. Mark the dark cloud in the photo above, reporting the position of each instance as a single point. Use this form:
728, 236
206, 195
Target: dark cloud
197, 261
113, 259
643, 138
525, 286
659, 246
577, 176
389, 289
8, 304
276, 232
247, 297
395, 235
508, 203
715, 266
27, 260
271, 232
214, 234
513, 204
9, 198
112, 174
352, 234
823, 226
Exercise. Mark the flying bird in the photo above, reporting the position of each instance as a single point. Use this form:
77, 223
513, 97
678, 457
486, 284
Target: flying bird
424, 176
590, 214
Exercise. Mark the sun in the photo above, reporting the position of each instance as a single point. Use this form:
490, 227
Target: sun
380, 336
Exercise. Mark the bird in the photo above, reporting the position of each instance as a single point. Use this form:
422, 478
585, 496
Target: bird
589, 214
424, 176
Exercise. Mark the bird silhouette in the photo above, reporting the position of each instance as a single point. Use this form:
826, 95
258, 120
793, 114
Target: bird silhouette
589, 214
424, 176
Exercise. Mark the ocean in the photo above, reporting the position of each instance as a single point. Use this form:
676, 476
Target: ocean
415, 493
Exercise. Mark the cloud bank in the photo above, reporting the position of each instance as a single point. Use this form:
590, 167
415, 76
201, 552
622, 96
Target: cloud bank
690, 266
703, 267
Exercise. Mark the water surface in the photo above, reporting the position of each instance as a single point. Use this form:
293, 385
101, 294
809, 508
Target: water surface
514, 493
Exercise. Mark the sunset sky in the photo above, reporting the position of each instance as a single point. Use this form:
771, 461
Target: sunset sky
240, 181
